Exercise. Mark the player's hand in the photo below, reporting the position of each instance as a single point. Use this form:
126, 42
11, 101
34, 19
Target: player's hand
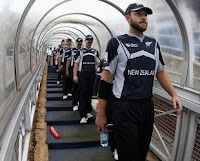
177, 103
75, 78
101, 122
60, 68
67, 73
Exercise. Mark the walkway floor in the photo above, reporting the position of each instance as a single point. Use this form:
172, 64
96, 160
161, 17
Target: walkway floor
78, 142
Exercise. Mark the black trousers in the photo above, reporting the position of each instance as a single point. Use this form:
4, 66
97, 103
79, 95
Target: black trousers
96, 85
65, 80
110, 126
60, 75
75, 94
75, 90
133, 126
56, 67
53, 60
86, 82
70, 80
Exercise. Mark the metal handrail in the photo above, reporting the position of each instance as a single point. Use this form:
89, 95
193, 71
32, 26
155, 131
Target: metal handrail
18, 130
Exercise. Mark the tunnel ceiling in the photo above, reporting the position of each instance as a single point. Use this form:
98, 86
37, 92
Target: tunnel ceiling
77, 17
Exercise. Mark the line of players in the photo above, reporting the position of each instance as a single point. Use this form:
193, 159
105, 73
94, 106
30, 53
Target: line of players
79, 68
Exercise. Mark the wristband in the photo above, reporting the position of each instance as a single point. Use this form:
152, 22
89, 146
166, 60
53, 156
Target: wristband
104, 90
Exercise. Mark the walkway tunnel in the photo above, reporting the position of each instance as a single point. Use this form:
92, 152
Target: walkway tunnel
29, 27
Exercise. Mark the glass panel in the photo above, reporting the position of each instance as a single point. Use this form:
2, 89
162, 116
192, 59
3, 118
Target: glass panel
167, 33
192, 8
24, 55
33, 57
10, 13
35, 14
190, 12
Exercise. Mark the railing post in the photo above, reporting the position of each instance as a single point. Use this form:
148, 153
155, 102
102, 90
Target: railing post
177, 136
191, 137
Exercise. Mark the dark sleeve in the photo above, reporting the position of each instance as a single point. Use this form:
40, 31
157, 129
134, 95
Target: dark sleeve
61, 51
101, 64
111, 55
70, 53
160, 55
111, 49
98, 59
76, 55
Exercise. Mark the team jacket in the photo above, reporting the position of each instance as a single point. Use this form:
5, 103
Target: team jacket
134, 63
87, 59
65, 53
74, 56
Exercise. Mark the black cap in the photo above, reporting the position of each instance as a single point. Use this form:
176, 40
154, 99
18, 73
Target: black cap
89, 38
136, 7
79, 41
68, 39
63, 41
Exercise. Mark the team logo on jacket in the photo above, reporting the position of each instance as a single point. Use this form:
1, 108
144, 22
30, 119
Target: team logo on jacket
148, 43
131, 45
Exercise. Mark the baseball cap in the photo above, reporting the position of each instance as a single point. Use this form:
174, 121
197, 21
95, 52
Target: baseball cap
136, 7
89, 38
79, 41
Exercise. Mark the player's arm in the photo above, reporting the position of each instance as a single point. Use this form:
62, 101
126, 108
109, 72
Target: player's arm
105, 86
165, 82
103, 96
67, 67
75, 72
76, 66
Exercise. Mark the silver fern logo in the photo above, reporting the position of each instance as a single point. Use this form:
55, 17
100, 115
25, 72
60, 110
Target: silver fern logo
148, 43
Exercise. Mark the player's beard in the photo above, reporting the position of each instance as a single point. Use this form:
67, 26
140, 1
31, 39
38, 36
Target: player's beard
137, 27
